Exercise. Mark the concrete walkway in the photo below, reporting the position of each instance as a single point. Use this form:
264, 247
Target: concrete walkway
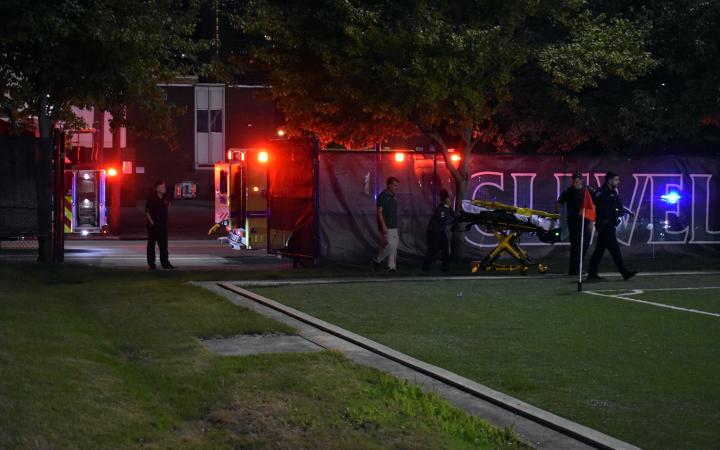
199, 254
542, 429
260, 345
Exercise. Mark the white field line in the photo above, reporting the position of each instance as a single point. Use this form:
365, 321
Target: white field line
657, 289
478, 278
659, 305
679, 272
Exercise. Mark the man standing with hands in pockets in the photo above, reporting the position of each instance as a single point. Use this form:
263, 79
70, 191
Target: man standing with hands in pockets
387, 225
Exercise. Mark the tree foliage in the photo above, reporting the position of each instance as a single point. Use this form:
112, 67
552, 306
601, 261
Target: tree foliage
358, 71
102, 53
680, 100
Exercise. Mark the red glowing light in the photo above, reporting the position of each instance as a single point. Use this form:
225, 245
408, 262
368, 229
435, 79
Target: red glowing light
399, 157
281, 132
263, 157
455, 158
112, 172
256, 189
242, 156
230, 155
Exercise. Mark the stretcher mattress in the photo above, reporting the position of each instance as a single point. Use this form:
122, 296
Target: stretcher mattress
490, 215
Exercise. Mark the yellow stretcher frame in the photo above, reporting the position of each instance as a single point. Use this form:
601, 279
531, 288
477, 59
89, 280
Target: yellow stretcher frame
507, 243
507, 236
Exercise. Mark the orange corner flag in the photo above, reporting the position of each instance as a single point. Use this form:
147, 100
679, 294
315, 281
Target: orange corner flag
588, 207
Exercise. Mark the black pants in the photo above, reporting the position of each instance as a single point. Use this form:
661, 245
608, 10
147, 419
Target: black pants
437, 241
575, 229
157, 234
606, 240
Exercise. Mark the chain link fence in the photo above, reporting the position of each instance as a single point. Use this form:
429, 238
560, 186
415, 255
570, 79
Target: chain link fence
18, 193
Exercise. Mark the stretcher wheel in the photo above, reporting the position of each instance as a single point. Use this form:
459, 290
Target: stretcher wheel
543, 268
474, 268
488, 268
524, 270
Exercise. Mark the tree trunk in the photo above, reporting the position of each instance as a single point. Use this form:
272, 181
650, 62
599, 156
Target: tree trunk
457, 244
460, 176
44, 184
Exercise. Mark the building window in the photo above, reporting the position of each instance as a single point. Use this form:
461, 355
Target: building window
216, 116
209, 125
202, 121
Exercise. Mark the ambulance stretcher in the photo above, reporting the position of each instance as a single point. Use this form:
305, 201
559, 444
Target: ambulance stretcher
508, 223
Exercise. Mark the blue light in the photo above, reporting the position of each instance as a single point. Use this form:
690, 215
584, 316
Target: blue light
671, 197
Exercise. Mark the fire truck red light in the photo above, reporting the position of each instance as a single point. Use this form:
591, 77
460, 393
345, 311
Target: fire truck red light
256, 189
263, 157
229, 155
112, 172
455, 158
399, 157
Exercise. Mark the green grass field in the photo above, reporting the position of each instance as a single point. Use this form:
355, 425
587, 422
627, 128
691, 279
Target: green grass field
109, 359
640, 372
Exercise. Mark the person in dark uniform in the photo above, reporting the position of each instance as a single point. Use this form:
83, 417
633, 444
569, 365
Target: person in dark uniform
609, 209
572, 198
437, 238
156, 214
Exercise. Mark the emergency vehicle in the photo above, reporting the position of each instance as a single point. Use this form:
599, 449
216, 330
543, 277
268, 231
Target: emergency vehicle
85, 207
241, 198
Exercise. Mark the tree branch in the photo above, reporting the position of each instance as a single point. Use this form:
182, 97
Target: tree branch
435, 136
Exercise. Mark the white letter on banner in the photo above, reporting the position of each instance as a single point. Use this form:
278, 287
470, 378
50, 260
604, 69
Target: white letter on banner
523, 199
700, 221
492, 179
626, 229
662, 233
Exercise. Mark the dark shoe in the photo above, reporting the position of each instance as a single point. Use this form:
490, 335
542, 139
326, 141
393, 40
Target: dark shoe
391, 270
629, 274
152, 267
594, 277
168, 267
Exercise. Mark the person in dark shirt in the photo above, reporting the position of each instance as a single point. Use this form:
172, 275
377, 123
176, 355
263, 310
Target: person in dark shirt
437, 237
609, 209
388, 226
156, 214
572, 198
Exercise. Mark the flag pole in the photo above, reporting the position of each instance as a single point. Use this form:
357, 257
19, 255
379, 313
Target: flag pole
582, 245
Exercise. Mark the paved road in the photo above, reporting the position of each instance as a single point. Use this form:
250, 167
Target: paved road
188, 254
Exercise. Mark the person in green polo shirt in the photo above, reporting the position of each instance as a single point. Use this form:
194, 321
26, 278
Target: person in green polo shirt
387, 225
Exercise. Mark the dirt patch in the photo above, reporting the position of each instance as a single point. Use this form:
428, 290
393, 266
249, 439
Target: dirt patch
257, 423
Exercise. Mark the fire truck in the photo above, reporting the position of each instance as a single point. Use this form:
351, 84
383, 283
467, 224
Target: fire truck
85, 200
85, 207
